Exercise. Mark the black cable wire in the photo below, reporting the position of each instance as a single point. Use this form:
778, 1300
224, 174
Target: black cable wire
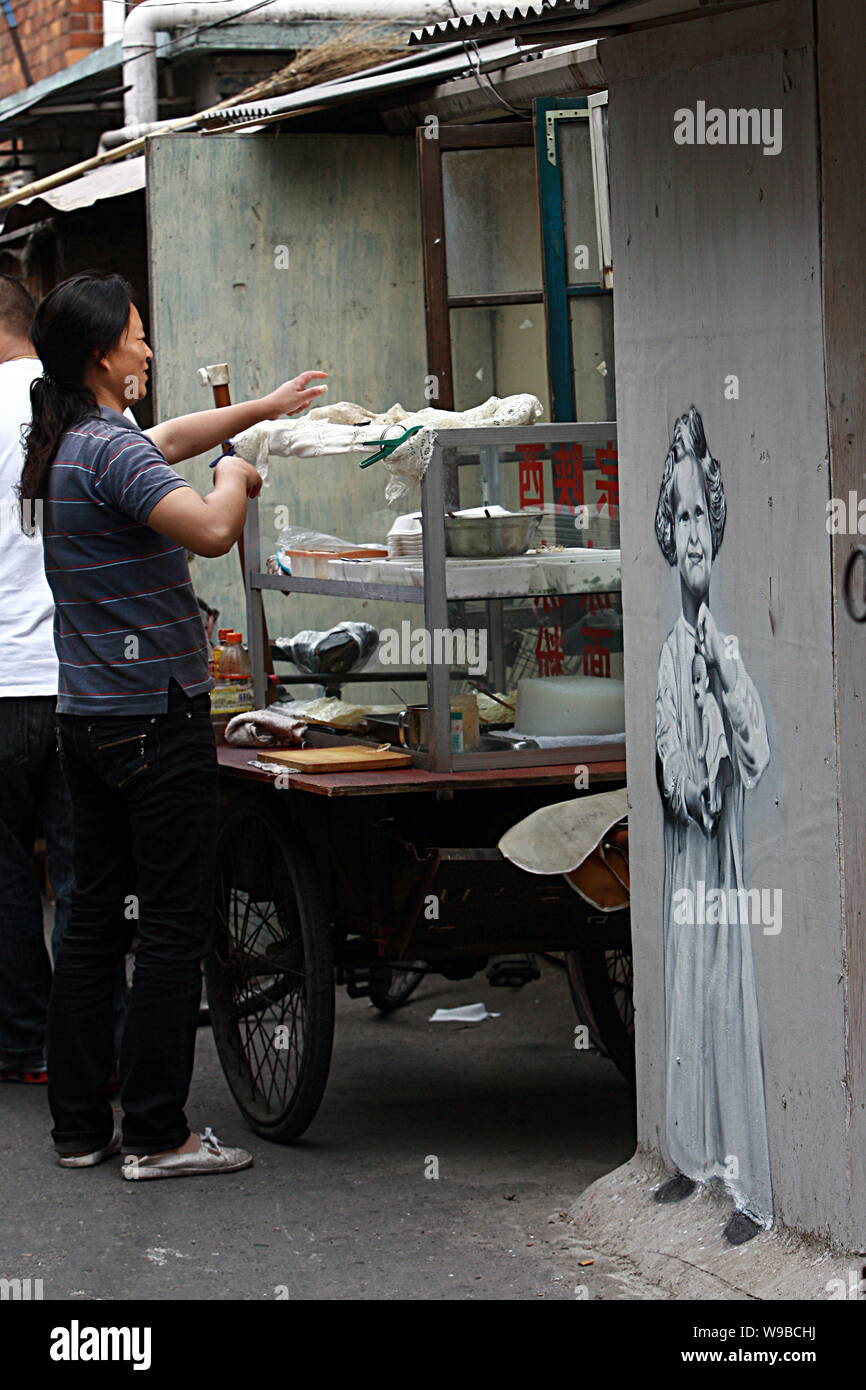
524, 114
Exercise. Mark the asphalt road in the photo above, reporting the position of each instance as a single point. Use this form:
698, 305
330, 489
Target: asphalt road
518, 1119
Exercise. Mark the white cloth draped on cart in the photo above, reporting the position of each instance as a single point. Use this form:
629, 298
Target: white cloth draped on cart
345, 428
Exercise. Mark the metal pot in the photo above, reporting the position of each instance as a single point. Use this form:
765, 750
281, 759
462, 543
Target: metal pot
485, 537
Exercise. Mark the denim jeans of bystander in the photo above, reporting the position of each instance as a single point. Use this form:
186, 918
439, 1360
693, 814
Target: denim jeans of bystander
33, 800
144, 795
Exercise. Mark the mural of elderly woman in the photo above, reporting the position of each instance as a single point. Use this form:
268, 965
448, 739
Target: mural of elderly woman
708, 719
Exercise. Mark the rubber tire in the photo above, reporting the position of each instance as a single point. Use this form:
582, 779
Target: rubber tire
294, 860
390, 998
594, 1000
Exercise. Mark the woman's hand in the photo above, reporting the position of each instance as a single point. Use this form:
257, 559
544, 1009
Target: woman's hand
252, 479
294, 396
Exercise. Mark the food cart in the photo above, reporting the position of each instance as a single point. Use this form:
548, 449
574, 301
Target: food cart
372, 878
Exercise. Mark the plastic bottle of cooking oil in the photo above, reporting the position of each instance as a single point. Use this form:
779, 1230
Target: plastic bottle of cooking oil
233, 691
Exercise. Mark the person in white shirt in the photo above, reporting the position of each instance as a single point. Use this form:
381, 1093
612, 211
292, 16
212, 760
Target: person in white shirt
33, 795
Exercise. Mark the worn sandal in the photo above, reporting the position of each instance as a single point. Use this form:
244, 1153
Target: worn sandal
90, 1160
212, 1157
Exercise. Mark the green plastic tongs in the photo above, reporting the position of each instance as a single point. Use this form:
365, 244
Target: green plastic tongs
388, 446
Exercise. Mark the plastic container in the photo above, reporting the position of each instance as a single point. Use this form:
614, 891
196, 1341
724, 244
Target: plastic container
313, 564
235, 662
217, 651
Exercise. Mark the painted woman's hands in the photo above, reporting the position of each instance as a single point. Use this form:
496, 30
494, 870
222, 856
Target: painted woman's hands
708, 636
697, 798
719, 651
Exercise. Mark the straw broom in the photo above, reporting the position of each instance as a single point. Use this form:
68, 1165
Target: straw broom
356, 47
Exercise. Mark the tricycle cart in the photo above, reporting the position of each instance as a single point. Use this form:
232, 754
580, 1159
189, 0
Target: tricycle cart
371, 879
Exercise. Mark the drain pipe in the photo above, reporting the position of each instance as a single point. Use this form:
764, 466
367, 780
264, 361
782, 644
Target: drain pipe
152, 16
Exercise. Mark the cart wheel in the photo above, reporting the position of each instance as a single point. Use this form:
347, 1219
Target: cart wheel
601, 987
397, 985
270, 977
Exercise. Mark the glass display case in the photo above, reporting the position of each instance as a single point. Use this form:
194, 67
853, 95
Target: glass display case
510, 577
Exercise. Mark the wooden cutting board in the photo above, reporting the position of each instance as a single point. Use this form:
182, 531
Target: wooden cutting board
355, 757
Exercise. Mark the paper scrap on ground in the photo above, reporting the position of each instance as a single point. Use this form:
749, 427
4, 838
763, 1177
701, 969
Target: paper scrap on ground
467, 1013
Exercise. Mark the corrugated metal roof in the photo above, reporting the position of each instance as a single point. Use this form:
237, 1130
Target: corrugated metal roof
112, 181
538, 21
469, 26
406, 72
86, 78
429, 70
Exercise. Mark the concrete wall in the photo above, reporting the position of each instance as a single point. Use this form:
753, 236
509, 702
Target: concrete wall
718, 273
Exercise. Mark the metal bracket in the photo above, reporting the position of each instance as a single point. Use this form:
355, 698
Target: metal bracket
550, 119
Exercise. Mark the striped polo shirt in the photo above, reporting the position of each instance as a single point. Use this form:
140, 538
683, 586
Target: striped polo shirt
127, 619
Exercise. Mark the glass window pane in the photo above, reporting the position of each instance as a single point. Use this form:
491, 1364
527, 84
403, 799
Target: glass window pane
499, 352
578, 203
491, 221
592, 346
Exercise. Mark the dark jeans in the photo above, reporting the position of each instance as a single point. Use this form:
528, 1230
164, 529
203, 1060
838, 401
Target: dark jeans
144, 795
33, 798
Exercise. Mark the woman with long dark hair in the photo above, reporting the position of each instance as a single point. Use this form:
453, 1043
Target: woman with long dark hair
134, 719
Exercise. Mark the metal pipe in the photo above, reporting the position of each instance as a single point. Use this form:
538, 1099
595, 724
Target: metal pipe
110, 139
153, 16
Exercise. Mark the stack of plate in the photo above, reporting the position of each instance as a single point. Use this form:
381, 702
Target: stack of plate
405, 540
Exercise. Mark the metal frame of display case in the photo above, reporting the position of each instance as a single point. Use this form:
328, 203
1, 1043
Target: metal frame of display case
438, 493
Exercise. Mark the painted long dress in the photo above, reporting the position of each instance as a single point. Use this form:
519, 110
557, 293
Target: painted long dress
715, 1108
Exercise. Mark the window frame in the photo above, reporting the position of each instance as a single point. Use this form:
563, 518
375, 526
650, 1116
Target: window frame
550, 114
434, 140
432, 143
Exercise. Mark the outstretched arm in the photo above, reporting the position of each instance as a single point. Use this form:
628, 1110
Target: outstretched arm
188, 435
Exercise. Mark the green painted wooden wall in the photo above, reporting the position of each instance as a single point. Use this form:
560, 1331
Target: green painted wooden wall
351, 303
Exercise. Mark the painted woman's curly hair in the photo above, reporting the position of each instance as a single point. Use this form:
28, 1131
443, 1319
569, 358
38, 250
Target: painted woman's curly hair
689, 439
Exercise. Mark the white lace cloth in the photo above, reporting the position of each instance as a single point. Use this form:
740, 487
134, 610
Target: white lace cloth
345, 428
